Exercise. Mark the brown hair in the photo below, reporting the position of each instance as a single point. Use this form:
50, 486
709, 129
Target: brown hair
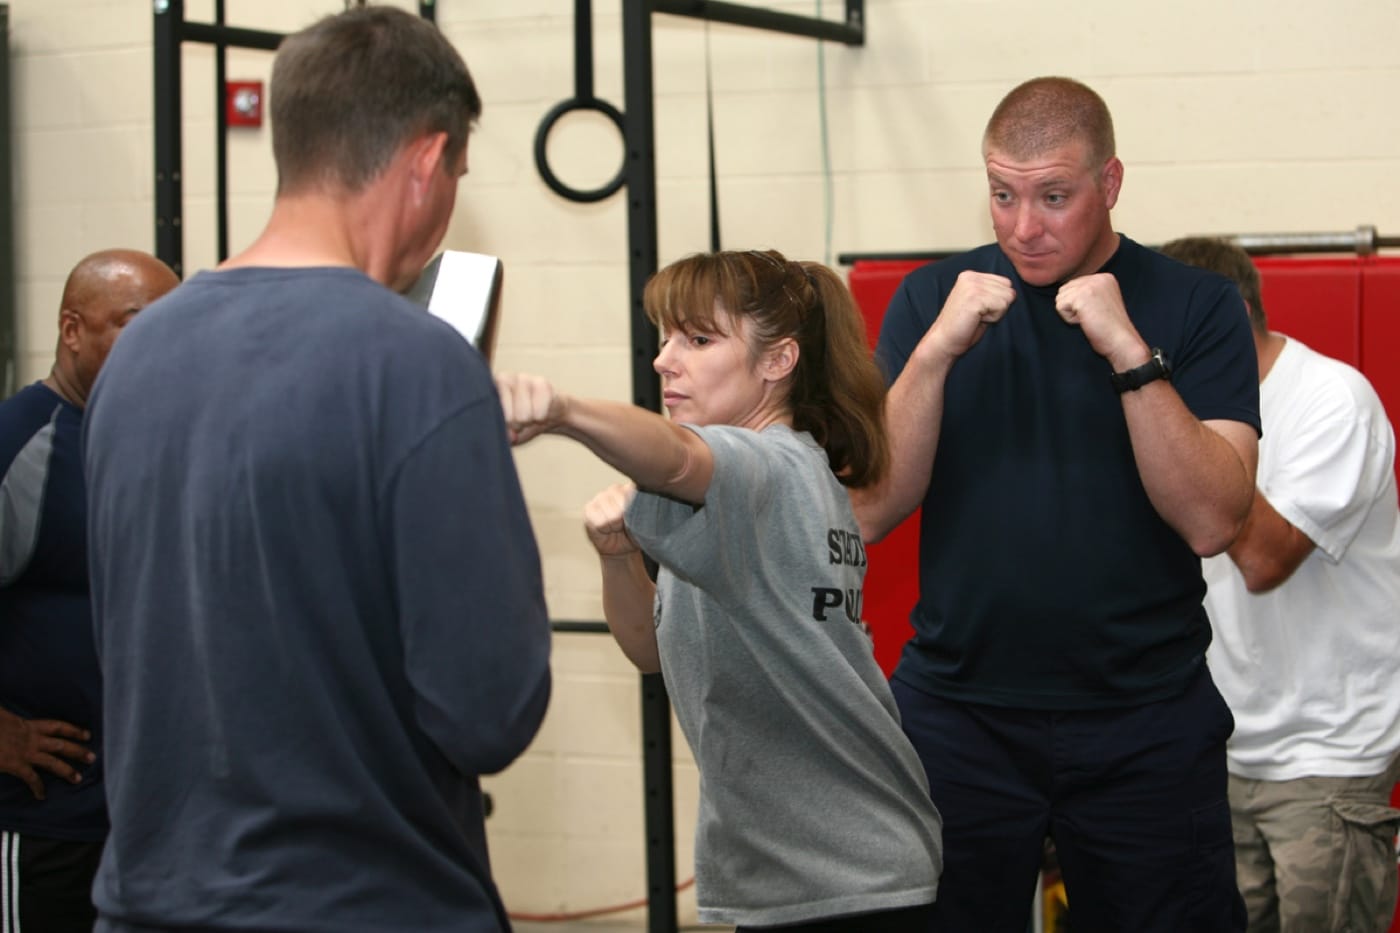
1046, 113
1220, 255
837, 392
348, 91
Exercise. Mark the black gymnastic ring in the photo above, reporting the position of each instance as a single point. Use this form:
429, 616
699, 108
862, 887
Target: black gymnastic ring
542, 140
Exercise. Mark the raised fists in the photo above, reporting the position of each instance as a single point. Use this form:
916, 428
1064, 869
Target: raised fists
1092, 303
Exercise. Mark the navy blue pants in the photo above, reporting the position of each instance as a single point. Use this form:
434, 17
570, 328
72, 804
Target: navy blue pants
1134, 798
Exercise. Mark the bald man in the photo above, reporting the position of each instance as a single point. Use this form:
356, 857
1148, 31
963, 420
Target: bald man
53, 818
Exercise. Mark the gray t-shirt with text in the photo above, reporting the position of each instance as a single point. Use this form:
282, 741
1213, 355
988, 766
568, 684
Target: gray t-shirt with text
812, 802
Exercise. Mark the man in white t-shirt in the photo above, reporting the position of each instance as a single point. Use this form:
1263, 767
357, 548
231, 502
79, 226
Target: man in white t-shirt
1306, 616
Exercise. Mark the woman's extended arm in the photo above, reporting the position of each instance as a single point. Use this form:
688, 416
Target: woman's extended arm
658, 455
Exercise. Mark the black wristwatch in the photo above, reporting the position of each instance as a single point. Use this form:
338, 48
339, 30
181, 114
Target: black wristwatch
1156, 368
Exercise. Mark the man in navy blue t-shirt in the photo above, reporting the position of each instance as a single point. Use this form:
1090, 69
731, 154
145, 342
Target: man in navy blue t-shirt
316, 591
1078, 418
52, 815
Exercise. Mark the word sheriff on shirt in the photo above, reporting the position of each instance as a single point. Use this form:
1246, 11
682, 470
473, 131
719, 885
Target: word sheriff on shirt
843, 548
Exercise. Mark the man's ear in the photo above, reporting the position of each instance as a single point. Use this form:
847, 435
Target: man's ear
780, 359
70, 325
1112, 180
425, 155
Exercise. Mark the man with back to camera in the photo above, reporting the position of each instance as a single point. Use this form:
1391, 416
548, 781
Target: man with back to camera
317, 594
1094, 414
1307, 646
52, 814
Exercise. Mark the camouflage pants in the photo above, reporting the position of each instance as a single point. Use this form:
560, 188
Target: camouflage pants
1316, 855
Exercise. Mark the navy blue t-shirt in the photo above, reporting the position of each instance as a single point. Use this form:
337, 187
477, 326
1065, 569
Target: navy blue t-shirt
1047, 579
318, 607
48, 663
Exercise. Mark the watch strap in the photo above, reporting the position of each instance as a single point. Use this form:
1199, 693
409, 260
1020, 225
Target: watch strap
1155, 368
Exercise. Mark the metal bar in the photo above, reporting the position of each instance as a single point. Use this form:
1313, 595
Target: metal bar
9, 351
221, 136
231, 36
1364, 241
583, 49
659, 806
640, 170
570, 625
850, 259
851, 32
169, 15
639, 139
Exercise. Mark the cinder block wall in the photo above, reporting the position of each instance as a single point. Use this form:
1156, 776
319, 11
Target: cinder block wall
1240, 117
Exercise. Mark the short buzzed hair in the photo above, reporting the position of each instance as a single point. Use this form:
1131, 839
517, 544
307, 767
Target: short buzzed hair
348, 91
1229, 259
1046, 113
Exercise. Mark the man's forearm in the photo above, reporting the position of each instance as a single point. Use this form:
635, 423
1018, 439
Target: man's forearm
1269, 548
1199, 476
913, 417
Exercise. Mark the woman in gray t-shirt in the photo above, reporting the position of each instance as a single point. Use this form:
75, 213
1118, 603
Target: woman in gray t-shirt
814, 809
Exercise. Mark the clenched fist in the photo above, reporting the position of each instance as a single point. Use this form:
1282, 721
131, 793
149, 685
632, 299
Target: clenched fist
531, 405
602, 519
1095, 305
977, 300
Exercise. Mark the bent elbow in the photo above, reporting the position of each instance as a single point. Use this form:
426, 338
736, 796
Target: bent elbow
643, 653
487, 742
1257, 586
649, 665
1210, 547
1214, 536
874, 516
513, 736
1209, 542
1263, 577
872, 532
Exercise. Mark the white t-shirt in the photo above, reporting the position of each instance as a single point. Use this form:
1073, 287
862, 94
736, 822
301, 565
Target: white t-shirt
1311, 669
